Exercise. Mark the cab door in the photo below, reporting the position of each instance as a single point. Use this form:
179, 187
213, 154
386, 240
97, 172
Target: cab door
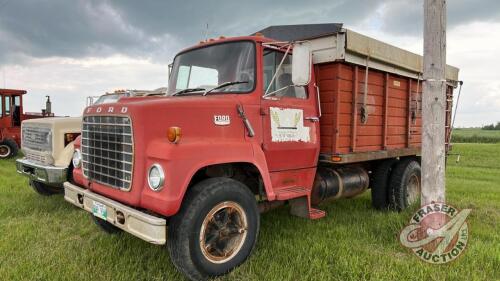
290, 117
5, 114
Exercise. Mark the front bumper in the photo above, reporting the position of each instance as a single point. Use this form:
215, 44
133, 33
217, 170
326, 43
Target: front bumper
47, 174
145, 226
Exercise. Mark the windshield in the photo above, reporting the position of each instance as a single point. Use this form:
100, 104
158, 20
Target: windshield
207, 67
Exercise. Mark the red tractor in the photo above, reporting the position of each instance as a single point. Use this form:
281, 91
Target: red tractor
11, 116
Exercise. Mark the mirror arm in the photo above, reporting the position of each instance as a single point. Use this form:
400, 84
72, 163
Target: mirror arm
319, 101
276, 72
273, 92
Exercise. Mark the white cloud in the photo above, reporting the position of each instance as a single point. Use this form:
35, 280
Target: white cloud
70, 81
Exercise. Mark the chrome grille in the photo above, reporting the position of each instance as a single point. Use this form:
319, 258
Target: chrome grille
107, 150
37, 138
36, 157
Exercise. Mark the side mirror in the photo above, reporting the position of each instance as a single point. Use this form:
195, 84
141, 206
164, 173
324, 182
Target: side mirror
301, 64
170, 69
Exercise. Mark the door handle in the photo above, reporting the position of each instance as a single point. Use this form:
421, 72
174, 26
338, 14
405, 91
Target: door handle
312, 119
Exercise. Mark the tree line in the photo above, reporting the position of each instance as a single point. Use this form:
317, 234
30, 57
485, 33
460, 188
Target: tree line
492, 127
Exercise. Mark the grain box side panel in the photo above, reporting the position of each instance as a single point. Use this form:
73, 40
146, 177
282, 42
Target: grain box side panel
346, 110
393, 103
416, 113
370, 133
397, 118
328, 90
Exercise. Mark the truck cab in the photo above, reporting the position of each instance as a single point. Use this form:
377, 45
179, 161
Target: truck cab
10, 121
11, 116
243, 128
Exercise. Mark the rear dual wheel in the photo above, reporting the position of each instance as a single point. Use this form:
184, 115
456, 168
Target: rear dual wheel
405, 184
215, 230
380, 184
396, 184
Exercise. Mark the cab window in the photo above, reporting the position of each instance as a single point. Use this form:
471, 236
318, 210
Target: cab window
17, 100
282, 84
7, 105
1, 106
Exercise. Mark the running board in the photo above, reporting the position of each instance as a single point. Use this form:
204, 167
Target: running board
301, 207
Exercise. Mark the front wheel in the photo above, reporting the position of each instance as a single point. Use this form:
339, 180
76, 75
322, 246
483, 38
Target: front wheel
44, 189
215, 230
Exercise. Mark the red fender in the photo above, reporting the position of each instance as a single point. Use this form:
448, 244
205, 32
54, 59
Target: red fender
181, 161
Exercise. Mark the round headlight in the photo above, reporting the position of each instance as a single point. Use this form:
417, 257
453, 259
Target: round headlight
156, 177
77, 158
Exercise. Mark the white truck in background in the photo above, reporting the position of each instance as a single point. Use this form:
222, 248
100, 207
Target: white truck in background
47, 145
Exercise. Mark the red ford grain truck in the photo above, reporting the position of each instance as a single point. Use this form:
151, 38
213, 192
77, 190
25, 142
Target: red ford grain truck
246, 126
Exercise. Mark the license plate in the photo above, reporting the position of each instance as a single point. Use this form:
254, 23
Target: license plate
99, 210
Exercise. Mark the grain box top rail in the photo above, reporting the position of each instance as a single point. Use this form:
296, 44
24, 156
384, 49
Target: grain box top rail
331, 42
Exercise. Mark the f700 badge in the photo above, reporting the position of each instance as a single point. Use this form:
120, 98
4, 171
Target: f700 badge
222, 120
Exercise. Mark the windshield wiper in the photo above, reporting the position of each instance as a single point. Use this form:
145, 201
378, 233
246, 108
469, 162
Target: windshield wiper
225, 84
188, 90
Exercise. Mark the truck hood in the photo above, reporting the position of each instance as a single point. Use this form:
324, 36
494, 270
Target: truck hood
197, 116
54, 151
68, 122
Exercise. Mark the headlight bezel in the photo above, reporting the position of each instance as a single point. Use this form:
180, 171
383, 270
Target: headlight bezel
161, 176
77, 163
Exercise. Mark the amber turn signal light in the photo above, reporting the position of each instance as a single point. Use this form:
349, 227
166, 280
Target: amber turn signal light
336, 158
174, 134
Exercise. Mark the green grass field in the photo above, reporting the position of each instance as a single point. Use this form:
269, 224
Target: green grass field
475, 135
48, 239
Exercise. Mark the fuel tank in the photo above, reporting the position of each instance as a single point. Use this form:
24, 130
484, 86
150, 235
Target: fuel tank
334, 183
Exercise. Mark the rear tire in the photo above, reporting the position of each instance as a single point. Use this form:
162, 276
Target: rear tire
215, 230
380, 184
405, 184
106, 226
44, 189
8, 149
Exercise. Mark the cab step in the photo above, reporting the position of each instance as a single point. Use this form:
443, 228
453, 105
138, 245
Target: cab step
292, 192
315, 214
301, 207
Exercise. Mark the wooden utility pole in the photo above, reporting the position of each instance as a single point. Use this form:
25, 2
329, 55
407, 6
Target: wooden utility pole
434, 102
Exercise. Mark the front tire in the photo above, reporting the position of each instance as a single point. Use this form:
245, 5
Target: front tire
8, 149
215, 230
405, 184
44, 189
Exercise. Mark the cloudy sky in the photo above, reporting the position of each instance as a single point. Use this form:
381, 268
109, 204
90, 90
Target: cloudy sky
74, 49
